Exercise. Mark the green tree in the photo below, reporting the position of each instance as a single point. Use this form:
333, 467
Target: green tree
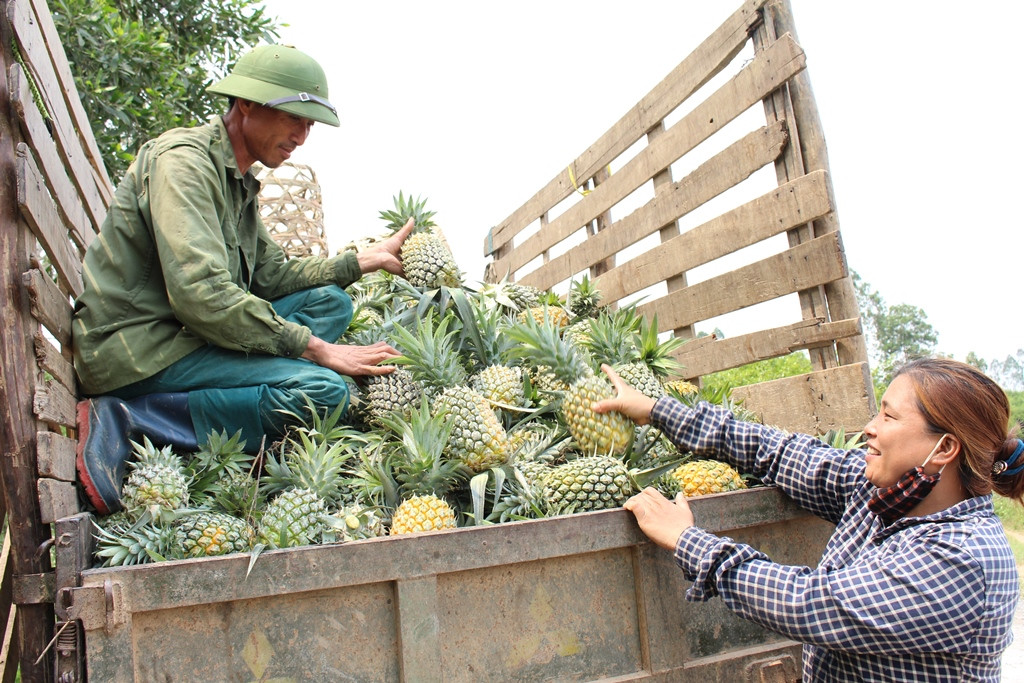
1009, 373
796, 363
142, 66
895, 334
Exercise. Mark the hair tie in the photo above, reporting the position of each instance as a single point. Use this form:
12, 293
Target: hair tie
1003, 466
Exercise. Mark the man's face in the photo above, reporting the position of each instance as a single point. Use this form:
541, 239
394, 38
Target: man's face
271, 135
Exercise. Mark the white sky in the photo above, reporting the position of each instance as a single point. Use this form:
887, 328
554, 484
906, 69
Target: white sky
476, 106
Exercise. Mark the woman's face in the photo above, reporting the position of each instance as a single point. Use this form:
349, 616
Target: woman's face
898, 437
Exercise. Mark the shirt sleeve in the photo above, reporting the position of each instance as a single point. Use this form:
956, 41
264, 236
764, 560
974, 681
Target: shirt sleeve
275, 275
185, 201
820, 479
926, 595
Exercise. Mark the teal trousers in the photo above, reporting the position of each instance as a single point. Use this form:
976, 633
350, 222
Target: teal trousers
260, 395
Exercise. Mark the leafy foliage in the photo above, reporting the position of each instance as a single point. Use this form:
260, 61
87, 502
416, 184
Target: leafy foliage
796, 363
142, 67
895, 334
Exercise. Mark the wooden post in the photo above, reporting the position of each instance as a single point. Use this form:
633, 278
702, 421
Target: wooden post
808, 153
34, 623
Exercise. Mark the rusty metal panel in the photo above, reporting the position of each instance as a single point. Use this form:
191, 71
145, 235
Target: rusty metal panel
575, 598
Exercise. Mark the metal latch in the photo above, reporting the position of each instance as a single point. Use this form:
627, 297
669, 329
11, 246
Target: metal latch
96, 606
778, 669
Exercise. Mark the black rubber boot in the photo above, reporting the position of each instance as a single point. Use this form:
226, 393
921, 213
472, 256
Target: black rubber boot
107, 425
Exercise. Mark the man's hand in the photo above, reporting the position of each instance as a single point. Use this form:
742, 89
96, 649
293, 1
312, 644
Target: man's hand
353, 361
627, 401
385, 255
659, 518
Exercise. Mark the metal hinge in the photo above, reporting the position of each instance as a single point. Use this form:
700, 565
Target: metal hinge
95, 606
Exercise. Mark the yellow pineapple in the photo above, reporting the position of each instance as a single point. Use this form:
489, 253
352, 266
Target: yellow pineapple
701, 477
426, 258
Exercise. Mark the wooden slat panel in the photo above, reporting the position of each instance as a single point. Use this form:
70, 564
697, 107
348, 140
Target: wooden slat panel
54, 404
705, 355
57, 499
50, 360
768, 215
48, 305
46, 152
708, 59
42, 50
56, 456
839, 397
807, 265
769, 69
728, 168
40, 212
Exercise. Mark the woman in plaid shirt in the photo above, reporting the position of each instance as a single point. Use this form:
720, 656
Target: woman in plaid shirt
918, 582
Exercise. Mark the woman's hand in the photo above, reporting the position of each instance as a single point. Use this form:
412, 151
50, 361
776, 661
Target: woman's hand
659, 518
627, 401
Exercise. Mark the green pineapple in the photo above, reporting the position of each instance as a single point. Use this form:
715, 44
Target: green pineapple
584, 298
495, 378
588, 483
596, 434
207, 534
426, 258
295, 517
123, 543
305, 459
478, 438
219, 458
157, 484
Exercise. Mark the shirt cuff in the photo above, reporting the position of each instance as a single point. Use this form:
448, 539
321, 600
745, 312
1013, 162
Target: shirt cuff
693, 545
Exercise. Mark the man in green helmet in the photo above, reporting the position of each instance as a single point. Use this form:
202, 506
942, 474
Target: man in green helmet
192, 320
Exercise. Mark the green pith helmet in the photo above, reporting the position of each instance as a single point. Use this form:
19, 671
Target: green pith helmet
281, 77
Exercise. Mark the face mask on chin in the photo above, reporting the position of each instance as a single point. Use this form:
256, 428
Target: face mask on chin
894, 502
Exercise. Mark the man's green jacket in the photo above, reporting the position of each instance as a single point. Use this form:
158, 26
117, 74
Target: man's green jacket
183, 260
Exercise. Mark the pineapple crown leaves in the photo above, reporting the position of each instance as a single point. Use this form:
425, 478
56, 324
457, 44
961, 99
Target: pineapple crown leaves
149, 455
430, 352
418, 459
542, 345
583, 298
406, 208
218, 456
656, 354
611, 337
146, 540
483, 330
308, 463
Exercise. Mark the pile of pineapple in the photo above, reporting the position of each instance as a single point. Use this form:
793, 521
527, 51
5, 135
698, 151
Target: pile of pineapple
486, 420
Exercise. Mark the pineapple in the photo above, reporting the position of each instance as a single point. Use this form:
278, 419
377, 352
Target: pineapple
214, 533
584, 298
157, 484
478, 438
123, 543
588, 483
701, 477
426, 258
596, 434
295, 517
545, 313
495, 379
397, 392
306, 460
421, 474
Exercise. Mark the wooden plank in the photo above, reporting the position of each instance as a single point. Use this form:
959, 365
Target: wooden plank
765, 73
54, 404
419, 629
42, 51
57, 499
806, 265
56, 456
770, 214
729, 167
814, 403
48, 305
707, 60
53, 167
40, 212
705, 355
51, 361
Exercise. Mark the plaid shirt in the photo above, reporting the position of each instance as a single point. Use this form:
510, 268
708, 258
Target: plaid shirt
924, 599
